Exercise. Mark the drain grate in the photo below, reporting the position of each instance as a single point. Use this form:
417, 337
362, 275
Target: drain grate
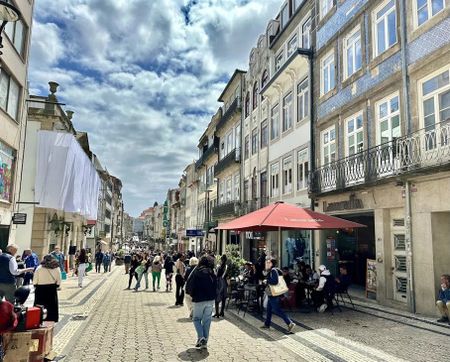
79, 317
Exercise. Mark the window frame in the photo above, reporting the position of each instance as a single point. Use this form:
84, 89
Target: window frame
389, 116
288, 175
247, 104
275, 179
288, 109
304, 95
254, 147
329, 66
277, 119
303, 165
328, 144
6, 109
375, 22
289, 49
328, 8
346, 47
279, 60
354, 133
304, 22
247, 147
429, 5
264, 140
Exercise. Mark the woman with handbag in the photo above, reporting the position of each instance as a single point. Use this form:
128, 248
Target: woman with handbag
276, 287
46, 281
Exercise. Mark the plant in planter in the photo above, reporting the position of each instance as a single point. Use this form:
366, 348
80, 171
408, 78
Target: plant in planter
119, 257
235, 261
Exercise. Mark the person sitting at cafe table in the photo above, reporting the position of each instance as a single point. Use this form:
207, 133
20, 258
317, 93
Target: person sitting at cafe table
344, 280
310, 275
300, 269
323, 295
286, 276
249, 273
443, 302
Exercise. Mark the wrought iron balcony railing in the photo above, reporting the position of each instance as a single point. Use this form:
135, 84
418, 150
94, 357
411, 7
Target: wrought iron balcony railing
205, 156
420, 151
234, 107
224, 210
229, 160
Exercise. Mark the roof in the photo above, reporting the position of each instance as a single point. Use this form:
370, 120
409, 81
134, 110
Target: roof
235, 74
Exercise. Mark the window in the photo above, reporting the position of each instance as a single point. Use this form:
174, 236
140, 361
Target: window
254, 141
16, 32
426, 9
237, 187
9, 94
230, 145
328, 74
221, 192
247, 146
264, 134
263, 189
287, 175
306, 34
255, 95
297, 3
302, 169
274, 179
436, 102
275, 123
237, 138
229, 189
278, 61
288, 112
284, 16
247, 105
388, 119
385, 27
328, 145
352, 53
264, 78
302, 100
355, 135
292, 45
7, 165
246, 194
325, 7
222, 150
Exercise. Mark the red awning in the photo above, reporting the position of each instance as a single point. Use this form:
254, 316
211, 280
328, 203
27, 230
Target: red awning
287, 216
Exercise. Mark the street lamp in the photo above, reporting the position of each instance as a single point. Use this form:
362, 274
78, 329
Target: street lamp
8, 13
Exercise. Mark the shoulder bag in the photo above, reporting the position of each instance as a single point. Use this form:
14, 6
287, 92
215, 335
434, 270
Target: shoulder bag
280, 288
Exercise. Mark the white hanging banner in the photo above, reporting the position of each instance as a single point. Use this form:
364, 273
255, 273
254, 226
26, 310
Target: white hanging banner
65, 177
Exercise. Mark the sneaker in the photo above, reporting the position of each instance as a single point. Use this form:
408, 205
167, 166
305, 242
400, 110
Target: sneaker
200, 343
442, 320
323, 308
265, 327
291, 327
204, 344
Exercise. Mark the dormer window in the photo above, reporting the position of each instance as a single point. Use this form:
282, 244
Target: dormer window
284, 15
247, 105
255, 95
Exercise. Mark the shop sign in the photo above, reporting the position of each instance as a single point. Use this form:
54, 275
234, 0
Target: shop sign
351, 204
331, 249
7, 156
19, 218
254, 235
194, 232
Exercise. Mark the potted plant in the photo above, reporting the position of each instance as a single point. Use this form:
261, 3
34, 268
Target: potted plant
235, 261
119, 256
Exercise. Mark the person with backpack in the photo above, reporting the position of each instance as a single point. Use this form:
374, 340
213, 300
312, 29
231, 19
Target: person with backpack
323, 295
202, 287
273, 301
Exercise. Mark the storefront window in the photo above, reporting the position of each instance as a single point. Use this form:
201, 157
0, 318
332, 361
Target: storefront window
295, 247
7, 156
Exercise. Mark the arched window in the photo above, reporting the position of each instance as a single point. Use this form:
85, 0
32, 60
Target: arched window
255, 95
264, 79
247, 105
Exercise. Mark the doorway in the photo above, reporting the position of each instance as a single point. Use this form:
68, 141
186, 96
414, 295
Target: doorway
4, 236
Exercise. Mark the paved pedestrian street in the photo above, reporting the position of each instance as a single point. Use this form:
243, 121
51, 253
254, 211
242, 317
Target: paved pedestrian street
105, 322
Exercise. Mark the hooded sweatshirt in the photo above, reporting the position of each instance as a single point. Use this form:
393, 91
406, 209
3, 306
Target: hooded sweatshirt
202, 284
323, 279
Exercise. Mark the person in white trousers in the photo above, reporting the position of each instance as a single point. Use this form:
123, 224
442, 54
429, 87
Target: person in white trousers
82, 264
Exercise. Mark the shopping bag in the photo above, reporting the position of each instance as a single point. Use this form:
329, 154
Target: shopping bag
63, 275
280, 288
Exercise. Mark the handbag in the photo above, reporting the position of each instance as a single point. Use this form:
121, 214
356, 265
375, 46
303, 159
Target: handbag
280, 288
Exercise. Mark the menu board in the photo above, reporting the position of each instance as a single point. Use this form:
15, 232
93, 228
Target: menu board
371, 276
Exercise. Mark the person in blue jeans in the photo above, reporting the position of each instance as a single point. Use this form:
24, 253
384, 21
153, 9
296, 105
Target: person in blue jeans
273, 303
202, 287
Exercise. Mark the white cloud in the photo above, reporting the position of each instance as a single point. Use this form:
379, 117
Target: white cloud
141, 81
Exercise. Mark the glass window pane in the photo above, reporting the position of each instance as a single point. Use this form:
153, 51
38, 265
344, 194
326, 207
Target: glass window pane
350, 126
13, 99
381, 46
359, 122
4, 81
428, 107
444, 106
332, 75
422, 15
386, 8
436, 6
358, 55
392, 28
18, 37
383, 109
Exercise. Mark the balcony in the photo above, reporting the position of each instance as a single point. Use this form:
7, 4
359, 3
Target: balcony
421, 152
232, 109
232, 158
211, 150
226, 210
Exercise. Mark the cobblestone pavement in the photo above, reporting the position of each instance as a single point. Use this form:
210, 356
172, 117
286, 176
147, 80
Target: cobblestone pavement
105, 322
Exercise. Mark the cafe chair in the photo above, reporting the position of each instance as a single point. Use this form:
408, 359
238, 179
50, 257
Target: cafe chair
344, 292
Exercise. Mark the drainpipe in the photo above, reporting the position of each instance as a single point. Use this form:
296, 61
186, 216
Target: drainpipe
407, 117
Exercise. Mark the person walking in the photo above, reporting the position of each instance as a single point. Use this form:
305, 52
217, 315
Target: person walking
156, 272
106, 262
127, 262
60, 257
193, 262
82, 265
273, 303
168, 269
179, 280
8, 272
98, 260
202, 287
31, 261
133, 266
222, 286
47, 280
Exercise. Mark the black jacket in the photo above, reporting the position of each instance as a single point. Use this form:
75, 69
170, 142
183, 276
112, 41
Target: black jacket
202, 284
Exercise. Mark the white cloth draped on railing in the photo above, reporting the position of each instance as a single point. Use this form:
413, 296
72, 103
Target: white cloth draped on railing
65, 176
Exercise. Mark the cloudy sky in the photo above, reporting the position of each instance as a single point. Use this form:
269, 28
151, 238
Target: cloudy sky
143, 77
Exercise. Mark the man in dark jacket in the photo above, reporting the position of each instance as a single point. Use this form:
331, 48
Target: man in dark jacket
202, 287
98, 260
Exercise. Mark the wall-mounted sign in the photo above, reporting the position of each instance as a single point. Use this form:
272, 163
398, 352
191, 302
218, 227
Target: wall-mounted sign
371, 276
19, 218
194, 232
350, 204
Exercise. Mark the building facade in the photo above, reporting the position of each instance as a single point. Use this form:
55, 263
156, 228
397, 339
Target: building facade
13, 98
381, 138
